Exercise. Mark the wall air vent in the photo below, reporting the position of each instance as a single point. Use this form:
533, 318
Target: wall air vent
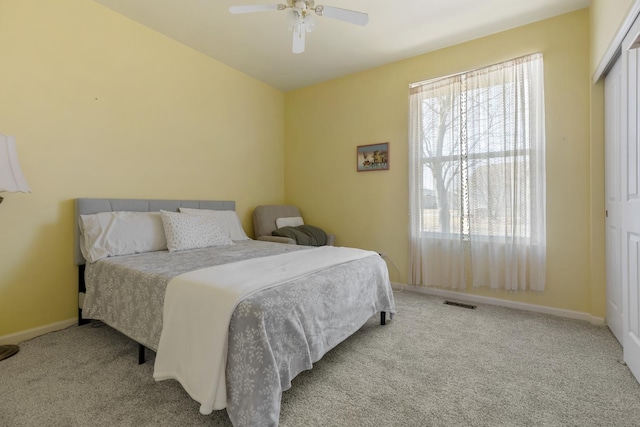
459, 304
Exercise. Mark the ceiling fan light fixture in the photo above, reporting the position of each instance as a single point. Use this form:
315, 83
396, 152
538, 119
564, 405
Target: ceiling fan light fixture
301, 19
293, 19
299, 38
309, 23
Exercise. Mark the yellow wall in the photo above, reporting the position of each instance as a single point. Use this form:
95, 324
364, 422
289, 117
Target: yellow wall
104, 107
606, 18
324, 124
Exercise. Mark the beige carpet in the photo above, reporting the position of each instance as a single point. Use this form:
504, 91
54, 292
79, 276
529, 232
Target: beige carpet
433, 365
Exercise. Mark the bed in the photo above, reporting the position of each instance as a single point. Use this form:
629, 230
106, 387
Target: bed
272, 332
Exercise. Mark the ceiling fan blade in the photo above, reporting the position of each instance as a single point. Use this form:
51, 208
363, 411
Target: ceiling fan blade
358, 18
254, 8
299, 34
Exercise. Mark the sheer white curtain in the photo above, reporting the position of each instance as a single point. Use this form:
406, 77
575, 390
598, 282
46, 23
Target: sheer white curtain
477, 178
437, 250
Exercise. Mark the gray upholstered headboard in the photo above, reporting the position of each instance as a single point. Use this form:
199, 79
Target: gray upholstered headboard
93, 206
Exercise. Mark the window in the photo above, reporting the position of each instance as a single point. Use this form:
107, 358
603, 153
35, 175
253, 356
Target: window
477, 178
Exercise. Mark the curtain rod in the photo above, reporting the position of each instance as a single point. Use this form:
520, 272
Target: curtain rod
423, 82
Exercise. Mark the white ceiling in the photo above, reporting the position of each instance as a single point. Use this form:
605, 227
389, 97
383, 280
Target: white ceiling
259, 44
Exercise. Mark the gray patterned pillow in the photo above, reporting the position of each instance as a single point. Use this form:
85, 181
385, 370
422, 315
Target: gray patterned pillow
186, 231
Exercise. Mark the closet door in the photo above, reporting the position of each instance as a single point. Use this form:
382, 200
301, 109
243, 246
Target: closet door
630, 201
613, 130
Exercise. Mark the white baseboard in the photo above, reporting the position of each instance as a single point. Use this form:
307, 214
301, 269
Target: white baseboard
22, 336
479, 299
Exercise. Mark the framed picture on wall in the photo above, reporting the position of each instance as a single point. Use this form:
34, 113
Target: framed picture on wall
373, 157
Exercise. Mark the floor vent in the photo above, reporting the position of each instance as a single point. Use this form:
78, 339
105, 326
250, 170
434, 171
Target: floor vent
459, 304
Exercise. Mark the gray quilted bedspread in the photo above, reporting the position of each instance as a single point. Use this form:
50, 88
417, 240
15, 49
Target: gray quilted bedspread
273, 335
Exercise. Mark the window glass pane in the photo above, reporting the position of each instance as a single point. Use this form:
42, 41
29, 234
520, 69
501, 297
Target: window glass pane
441, 197
499, 192
441, 127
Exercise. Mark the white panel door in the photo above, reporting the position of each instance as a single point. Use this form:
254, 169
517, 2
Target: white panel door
613, 131
630, 203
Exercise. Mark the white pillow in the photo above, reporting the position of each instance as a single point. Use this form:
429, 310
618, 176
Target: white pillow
228, 221
192, 231
120, 233
293, 221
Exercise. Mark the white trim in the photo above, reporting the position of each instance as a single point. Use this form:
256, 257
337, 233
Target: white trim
613, 51
479, 299
22, 336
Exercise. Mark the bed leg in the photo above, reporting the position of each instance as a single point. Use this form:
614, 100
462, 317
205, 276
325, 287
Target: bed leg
81, 289
141, 354
383, 317
81, 321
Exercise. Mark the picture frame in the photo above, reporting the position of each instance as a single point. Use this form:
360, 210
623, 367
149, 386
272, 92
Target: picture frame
372, 157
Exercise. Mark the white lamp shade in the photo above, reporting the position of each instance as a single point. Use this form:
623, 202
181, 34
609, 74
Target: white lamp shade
11, 178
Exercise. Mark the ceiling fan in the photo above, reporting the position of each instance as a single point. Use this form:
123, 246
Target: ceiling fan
301, 18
